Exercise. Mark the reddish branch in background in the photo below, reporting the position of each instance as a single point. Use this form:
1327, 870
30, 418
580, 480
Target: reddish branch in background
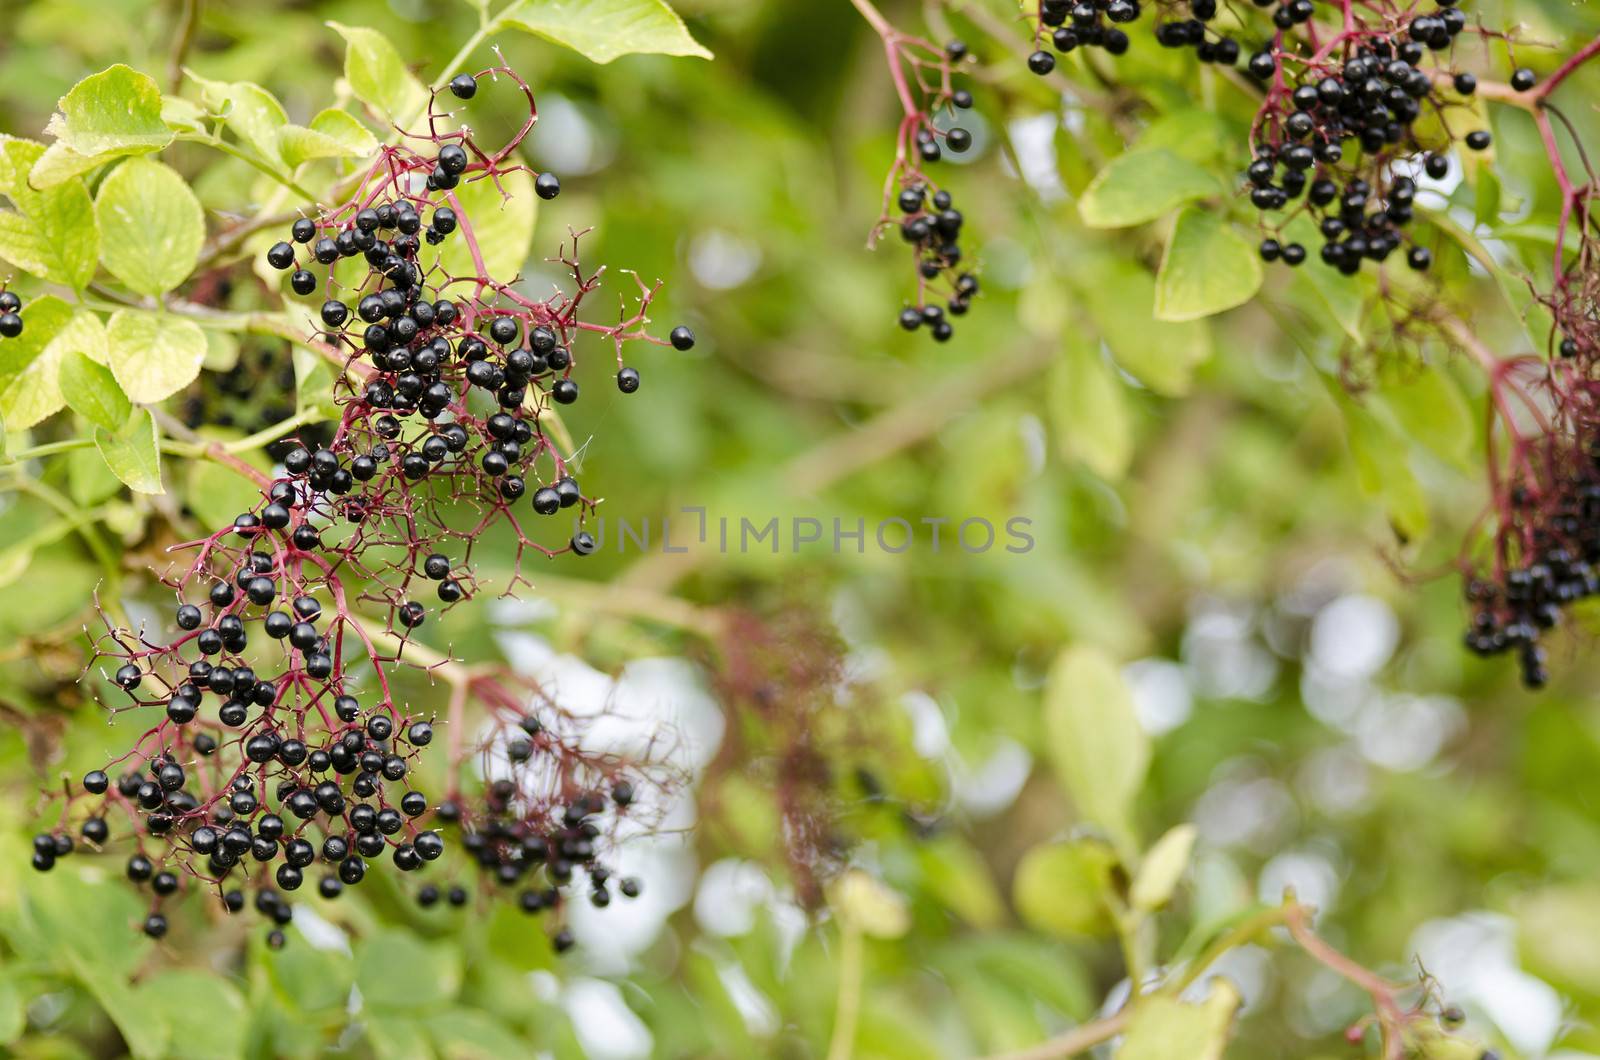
286, 749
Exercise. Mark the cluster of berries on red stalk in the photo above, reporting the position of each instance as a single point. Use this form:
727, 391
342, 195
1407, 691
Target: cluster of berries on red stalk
1547, 506
283, 753
927, 216
540, 835
1337, 130
1559, 568
932, 225
1069, 24
10, 314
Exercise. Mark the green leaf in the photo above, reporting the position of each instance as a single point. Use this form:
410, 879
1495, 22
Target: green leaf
89, 481
115, 110
218, 493
153, 355
1207, 267
151, 226
603, 30
13, 1016
870, 906
140, 1025
1094, 739
313, 384
399, 1038
396, 970
183, 115
1089, 409
66, 916
1063, 888
61, 163
311, 980
332, 134
1430, 408
50, 233
1197, 133
1486, 195
92, 391
465, 1034
1141, 186
1118, 295
1163, 866
1343, 297
222, 351
960, 878
133, 453
377, 75
205, 1013
30, 387
1165, 1029
250, 112
502, 227
1556, 929
1383, 470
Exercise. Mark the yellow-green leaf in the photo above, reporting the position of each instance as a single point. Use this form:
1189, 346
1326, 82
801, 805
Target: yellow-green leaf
50, 233
603, 30
1163, 866
117, 109
153, 355
151, 226
1556, 931
133, 452
1383, 470
332, 134
1207, 268
1089, 409
252, 113
1064, 888
869, 906
960, 878
92, 391
1165, 1029
1118, 295
502, 227
1095, 742
1429, 407
30, 387
1141, 186
377, 75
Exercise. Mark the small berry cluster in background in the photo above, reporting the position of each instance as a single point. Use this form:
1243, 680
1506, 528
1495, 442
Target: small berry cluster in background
285, 755
538, 838
925, 213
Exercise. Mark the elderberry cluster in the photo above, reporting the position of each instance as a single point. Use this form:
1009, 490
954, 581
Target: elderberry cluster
932, 225
1338, 131
929, 222
10, 314
523, 840
1512, 614
281, 749
1097, 24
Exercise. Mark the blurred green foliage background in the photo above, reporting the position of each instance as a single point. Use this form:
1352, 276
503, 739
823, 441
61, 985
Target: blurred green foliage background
1262, 555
